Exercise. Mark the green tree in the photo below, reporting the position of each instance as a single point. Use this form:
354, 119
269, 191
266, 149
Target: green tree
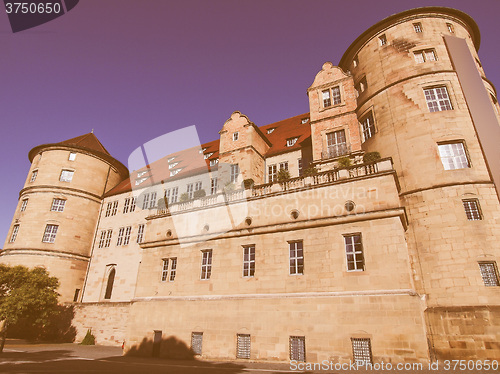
27, 295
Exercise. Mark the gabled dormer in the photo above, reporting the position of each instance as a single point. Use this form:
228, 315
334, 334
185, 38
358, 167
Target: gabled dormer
242, 143
332, 104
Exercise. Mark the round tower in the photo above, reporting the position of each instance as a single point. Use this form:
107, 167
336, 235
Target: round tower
55, 219
412, 107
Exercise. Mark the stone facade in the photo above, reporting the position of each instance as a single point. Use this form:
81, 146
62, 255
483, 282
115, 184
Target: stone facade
396, 256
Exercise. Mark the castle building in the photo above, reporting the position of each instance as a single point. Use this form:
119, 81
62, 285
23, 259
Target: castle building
366, 229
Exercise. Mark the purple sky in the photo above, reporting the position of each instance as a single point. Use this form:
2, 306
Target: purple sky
133, 70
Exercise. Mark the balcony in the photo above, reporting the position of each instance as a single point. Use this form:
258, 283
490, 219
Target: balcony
336, 150
269, 189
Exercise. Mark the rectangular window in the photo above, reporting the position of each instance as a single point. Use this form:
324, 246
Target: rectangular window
115, 208
300, 166
382, 40
173, 165
24, 204
58, 205
206, 264
354, 252
425, 55
126, 238
66, 176
190, 190
164, 270
336, 99
213, 186
235, 172
108, 209
284, 165
145, 201
450, 28
167, 196
331, 97
33, 175
152, 201
132, 204
120, 236
472, 210
235, 136
140, 233
102, 239
453, 156
327, 101
197, 186
214, 161
13, 236
291, 142
175, 193
243, 346
296, 258
272, 173
361, 350
173, 269
355, 61
368, 126
109, 234
126, 205
437, 99
417, 27
249, 261
489, 273
72, 156
336, 144
298, 348
196, 342
77, 293
50, 233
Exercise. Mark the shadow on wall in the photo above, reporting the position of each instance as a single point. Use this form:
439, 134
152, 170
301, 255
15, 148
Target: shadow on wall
170, 347
58, 330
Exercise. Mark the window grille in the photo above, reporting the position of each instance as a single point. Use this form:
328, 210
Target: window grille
197, 342
362, 350
243, 346
298, 348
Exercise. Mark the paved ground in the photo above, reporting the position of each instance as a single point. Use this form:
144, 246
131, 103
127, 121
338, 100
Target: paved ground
22, 357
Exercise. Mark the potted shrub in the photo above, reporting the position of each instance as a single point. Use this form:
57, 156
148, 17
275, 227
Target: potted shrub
248, 183
371, 157
199, 194
310, 171
283, 175
184, 197
344, 162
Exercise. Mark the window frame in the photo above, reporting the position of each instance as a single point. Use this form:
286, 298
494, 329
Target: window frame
358, 255
334, 97
66, 175
382, 40
72, 156
24, 205
234, 173
248, 262
14, 233
140, 233
50, 233
370, 129
296, 261
491, 279
295, 352
197, 342
417, 27
436, 104
365, 345
472, 209
58, 205
236, 136
243, 346
206, 264
457, 160
34, 174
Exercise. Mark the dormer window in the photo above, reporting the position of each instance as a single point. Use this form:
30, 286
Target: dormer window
208, 155
170, 159
331, 97
235, 136
269, 131
140, 180
214, 162
175, 171
304, 120
291, 142
382, 40
171, 166
141, 173
201, 150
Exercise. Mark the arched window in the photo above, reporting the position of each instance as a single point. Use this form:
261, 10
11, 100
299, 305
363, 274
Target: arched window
109, 286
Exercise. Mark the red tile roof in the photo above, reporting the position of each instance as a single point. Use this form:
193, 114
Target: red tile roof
192, 162
88, 141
